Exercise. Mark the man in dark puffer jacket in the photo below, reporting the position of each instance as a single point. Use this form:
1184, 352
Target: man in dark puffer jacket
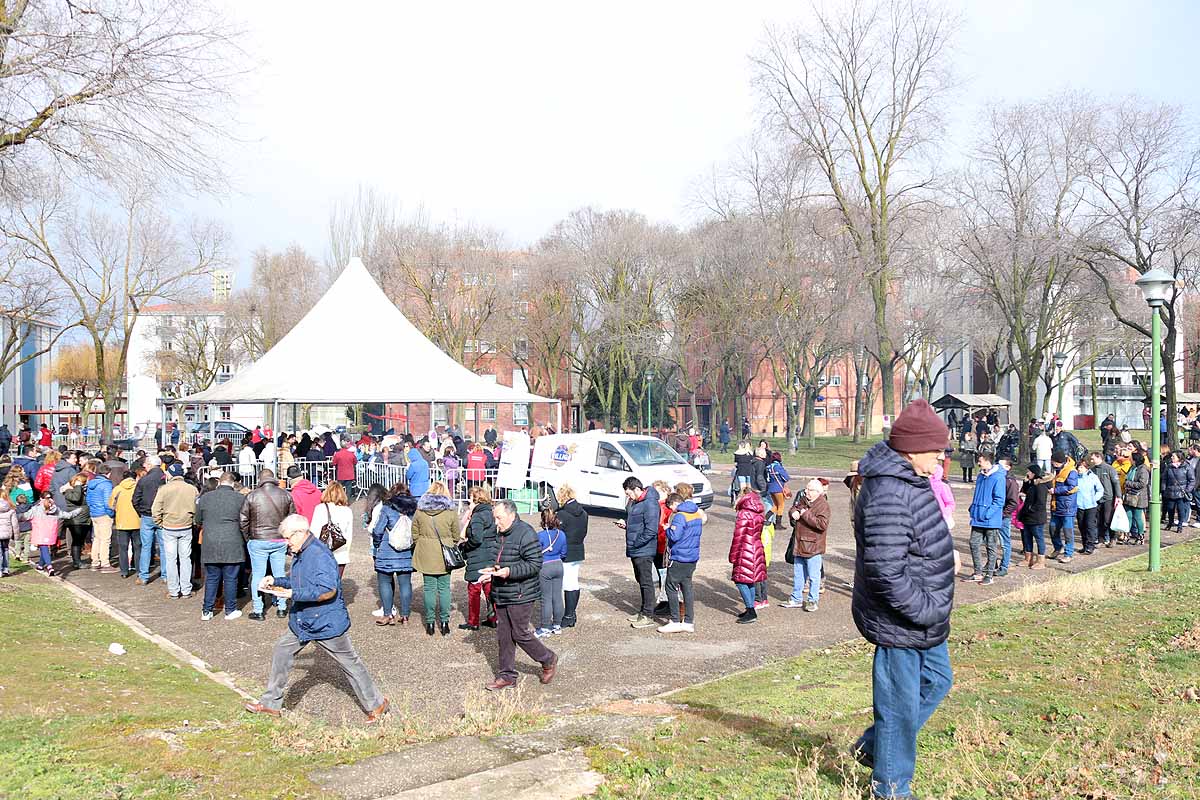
515, 586
903, 593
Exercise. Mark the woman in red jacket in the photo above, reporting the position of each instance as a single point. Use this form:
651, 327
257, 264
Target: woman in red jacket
746, 551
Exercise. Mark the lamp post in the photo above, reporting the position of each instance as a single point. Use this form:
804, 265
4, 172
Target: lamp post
1156, 287
1059, 360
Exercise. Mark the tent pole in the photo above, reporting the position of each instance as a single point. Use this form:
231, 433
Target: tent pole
212, 425
432, 426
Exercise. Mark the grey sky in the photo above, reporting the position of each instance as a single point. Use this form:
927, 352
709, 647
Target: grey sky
512, 114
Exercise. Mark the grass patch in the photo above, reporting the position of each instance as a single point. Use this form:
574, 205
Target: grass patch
1093, 699
78, 722
1084, 587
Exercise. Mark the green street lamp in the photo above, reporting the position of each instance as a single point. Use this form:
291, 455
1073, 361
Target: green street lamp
1059, 360
1156, 286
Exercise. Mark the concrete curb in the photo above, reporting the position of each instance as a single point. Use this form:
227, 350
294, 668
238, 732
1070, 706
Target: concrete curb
177, 652
564, 775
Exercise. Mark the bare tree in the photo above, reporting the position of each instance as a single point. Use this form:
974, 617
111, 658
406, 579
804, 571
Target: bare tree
1022, 208
27, 301
282, 287
192, 347
1147, 215
74, 369
860, 93
110, 86
110, 267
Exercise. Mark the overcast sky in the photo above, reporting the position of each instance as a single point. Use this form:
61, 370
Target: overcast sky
512, 114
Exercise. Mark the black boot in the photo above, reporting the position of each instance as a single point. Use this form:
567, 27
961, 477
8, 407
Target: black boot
570, 603
429, 628
445, 628
76, 556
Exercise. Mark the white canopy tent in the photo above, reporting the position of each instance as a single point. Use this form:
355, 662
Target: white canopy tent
392, 362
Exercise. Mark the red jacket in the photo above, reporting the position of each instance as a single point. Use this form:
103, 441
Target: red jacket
476, 465
664, 520
746, 550
343, 465
306, 497
47, 438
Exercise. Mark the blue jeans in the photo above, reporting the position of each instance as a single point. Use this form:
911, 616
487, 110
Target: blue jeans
806, 569
387, 591
1005, 544
1066, 542
1032, 534
747, 591
3, 555
214, 576
151, 535
907, 686
44, 556
177, 560
262, 551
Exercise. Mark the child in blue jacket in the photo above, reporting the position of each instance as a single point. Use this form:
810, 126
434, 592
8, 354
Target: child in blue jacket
683, 542
554, 550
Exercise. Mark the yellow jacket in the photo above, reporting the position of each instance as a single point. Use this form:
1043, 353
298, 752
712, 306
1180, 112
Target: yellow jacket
121, 501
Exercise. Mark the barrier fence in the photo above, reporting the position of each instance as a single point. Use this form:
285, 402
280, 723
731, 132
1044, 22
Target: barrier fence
320, 473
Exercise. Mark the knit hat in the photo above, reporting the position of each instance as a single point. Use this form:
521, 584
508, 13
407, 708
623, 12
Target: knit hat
175, 470
918, 430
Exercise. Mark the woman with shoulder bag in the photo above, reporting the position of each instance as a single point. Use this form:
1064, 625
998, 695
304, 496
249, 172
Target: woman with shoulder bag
334, 509
392, 537
479, 545
1136, 499
79, 523
435, 527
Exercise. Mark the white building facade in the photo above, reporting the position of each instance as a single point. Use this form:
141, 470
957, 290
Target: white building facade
29, 388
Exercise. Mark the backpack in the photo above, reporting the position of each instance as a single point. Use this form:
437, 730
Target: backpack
399, 536
41, 481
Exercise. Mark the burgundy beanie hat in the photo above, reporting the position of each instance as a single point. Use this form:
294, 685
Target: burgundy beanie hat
918, 429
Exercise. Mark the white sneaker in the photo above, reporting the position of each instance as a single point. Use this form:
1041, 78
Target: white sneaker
791, 604
206, 616
379, 612
688, 627
235, 614
673, 627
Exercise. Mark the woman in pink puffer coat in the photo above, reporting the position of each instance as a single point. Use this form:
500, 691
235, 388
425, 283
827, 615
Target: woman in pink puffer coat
746, 550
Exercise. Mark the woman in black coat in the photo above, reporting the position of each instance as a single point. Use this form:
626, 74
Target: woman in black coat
1032, 517
480, 544
574, 522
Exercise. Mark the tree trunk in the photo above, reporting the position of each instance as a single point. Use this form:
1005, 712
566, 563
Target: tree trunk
1026, 400
887, 372
1168, 368
810, 417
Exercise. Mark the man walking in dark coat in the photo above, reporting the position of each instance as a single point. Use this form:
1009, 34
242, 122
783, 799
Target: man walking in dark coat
515, 586
641, 544
903, 593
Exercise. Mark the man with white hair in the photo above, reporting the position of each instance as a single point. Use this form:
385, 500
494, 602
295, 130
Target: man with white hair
318, 614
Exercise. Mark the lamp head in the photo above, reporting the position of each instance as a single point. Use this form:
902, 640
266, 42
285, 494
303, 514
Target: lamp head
1156, 285
1060, 359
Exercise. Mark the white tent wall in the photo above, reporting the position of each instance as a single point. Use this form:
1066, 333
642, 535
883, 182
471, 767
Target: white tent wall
355, 346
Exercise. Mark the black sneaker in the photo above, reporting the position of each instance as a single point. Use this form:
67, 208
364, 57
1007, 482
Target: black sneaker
256, 616
281, 612
467, 627
488, 623
862, 756
746, 617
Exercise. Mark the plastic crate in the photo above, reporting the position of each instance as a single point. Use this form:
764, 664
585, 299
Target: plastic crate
526, 500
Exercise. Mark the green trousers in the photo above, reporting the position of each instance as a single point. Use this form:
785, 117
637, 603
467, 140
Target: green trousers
437, 590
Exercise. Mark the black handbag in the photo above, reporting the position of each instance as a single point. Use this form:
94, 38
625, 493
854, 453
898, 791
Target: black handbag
452, 555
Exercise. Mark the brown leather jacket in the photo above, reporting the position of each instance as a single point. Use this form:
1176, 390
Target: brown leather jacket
810, 524
264, 509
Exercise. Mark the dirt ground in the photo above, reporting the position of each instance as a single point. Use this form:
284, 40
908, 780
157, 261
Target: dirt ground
601, 660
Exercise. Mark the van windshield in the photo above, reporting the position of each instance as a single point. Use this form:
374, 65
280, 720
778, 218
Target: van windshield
649, 452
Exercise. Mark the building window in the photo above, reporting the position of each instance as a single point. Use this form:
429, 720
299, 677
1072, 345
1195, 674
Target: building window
469, 413
226, 412
469, 346
488, 413
441, 412
521, 349
819, 412
520, 413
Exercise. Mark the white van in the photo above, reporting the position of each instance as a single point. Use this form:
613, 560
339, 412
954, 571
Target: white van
597, 463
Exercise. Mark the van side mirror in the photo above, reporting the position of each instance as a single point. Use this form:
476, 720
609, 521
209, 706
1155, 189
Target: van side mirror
616, 462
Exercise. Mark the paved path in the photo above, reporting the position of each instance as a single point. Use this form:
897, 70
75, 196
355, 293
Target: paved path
601, 660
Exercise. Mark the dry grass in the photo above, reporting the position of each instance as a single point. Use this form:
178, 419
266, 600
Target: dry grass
1086, 587
497, 713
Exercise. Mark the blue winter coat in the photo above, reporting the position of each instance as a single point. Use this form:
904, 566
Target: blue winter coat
904, 559
417, 474
99, 490
313, 574
777, 478
554, 544
641, 526
388, 559
1064, 491
987, 506
683, 533
1090, 492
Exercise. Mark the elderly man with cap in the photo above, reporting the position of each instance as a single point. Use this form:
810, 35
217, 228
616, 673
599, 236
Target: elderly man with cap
903, 593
